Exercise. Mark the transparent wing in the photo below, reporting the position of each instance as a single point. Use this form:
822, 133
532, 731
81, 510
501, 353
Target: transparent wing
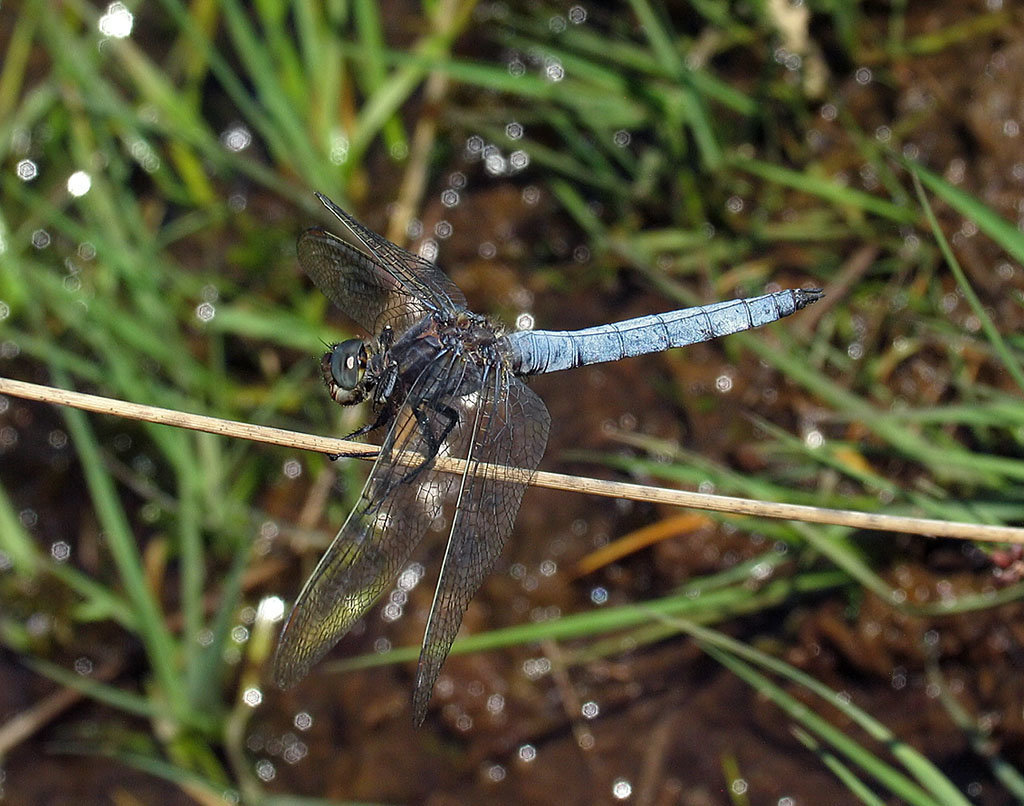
373, 545
508, 429
385, 286
370, 296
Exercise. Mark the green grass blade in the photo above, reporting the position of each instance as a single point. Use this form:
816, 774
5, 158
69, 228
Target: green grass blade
999, 230
127, 701
992, 223
714, 603
160, 644
848, 777
825, 188
927, 774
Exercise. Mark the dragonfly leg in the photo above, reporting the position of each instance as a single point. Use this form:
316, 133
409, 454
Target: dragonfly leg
381, 403
453, 419
433, 441
382, 417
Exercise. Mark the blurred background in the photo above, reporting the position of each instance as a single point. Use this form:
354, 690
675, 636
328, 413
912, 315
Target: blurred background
580, 163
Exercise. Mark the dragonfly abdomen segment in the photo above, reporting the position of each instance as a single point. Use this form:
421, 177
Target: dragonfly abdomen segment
538, 351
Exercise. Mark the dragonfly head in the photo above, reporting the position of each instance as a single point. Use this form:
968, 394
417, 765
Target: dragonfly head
343, 370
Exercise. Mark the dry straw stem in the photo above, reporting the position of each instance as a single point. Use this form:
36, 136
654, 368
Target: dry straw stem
558, 481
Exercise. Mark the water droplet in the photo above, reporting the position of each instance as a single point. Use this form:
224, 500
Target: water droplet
428, 250
8, 437
956, 170
496, 773
60, 550
553, 70
38, 624
236, 138
116, 22
533, 668
496, 703
270, 608
79, 183
265, 770
143, 154
295, 752
495, 164
621, 788
26, 170
414, 229
410, 577
518, 160
338, 154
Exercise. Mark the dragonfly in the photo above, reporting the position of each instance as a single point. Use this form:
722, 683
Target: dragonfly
442, 380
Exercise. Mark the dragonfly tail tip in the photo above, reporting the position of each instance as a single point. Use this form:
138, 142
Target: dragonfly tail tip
806, 296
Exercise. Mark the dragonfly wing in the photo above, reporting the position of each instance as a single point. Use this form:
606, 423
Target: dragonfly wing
508, 429
389, 520
372, 297
411, 276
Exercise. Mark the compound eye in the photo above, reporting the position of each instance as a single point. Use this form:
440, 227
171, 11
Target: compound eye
346, 364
